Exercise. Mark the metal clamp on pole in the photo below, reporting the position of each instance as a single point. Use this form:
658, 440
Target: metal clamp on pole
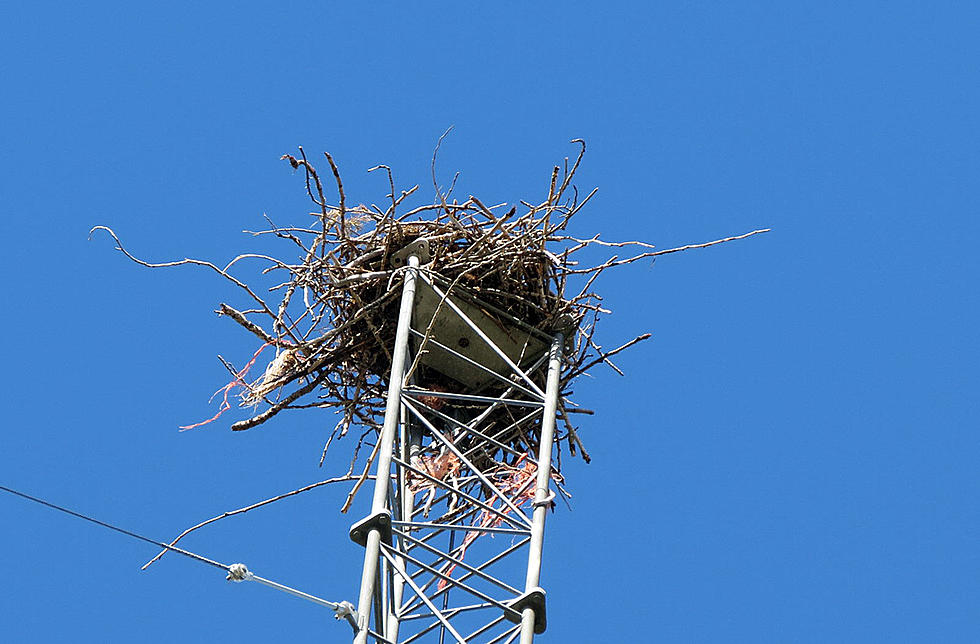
380, 521
534, 600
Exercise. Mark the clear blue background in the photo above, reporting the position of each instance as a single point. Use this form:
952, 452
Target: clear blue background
792, 457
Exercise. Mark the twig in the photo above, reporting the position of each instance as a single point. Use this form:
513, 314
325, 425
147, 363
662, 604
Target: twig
243, 511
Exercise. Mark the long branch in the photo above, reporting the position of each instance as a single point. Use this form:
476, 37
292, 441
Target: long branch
243, 511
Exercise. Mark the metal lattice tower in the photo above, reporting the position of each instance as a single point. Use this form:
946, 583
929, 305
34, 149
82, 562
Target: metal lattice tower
454, 554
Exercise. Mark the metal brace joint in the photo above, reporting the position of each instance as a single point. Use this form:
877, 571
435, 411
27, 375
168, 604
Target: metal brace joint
380, 521
534, 599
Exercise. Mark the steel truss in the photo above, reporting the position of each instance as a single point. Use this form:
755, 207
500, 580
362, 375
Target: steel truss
455, 555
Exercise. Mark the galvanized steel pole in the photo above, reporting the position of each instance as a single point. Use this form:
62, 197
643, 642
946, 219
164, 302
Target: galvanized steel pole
542, 494
405, 499
372, 549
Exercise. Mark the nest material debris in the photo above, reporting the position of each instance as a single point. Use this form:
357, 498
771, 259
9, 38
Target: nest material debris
275, 376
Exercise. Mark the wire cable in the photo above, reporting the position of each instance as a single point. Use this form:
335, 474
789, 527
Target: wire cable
236, 572
159, 544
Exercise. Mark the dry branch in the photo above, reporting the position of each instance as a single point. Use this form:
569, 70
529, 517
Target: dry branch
243, 510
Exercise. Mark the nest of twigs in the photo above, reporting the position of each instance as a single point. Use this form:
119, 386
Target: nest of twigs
331, 320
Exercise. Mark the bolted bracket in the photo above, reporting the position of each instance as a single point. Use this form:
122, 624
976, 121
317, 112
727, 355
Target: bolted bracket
419, 248
534, 599
380, 521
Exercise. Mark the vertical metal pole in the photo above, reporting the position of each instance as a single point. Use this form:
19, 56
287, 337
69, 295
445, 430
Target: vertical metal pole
543, 489
372, 550
407, 440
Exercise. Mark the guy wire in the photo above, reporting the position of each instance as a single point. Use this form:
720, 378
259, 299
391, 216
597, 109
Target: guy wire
159, 544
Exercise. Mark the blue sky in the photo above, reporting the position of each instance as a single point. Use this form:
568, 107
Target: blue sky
791, 458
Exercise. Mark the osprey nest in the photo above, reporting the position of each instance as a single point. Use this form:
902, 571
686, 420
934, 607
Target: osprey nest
329, 324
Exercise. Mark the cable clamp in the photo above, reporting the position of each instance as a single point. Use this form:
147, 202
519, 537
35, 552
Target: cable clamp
343, 610
545, 501
238, 572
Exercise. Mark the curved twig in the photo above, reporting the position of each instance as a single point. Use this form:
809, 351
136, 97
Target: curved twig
243, 510
195, 262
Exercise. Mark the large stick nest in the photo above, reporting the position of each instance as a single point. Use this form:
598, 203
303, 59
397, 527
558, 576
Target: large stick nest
331, 320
